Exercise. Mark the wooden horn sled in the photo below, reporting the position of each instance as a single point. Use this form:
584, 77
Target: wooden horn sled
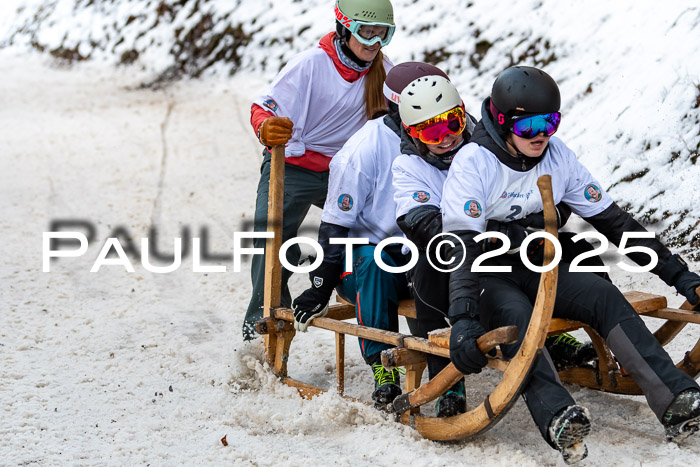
409, 352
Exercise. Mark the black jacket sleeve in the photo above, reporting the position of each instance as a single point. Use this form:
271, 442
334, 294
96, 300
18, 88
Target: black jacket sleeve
421, 224
328, 273
331, 252
464, 284
613, 222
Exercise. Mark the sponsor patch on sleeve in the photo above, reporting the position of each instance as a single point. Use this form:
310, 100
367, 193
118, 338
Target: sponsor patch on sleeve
345, 202
421, 196
472, 208
270, 104
592, 193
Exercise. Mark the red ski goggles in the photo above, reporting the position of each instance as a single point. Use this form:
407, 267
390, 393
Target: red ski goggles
531, 126
434, 130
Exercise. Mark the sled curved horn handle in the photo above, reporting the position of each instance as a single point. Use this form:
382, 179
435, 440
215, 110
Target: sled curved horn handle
450, 375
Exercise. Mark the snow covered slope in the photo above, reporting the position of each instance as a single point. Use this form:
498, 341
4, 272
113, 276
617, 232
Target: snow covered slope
629, 72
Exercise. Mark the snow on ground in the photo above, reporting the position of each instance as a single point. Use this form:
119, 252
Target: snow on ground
116, 368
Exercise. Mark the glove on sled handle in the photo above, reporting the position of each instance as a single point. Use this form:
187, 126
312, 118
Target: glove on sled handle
450, 375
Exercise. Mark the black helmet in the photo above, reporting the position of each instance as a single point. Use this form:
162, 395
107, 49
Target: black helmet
522, 90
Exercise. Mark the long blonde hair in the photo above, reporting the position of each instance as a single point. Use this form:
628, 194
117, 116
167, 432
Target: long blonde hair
374, 85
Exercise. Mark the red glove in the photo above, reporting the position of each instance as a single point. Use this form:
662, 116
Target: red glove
275, 131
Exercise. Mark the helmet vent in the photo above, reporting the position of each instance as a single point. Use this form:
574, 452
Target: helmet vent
410, 93
417, 107
438, 98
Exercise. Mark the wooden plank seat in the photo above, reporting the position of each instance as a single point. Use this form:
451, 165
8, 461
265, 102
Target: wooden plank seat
608, 376
643, 303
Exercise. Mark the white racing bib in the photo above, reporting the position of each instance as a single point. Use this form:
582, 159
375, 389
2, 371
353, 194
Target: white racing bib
479, 188
360, 186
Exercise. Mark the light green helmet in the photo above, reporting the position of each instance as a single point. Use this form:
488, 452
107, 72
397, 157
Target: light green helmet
354, 14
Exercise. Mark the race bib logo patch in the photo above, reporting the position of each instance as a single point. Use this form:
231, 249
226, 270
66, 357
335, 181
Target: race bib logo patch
504, 195
472, 208
345, 202
421, 196
271, 104
592, 193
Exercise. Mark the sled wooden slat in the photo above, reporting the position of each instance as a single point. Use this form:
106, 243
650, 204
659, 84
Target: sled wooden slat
392, 358
676, 315
273, 268
306, 390
670, 329
340, 362
341, 312
645, 302
592, 379
406, 308
440, 337
642, 303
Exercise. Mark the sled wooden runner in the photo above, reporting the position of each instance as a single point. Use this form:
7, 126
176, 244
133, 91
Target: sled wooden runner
409, 351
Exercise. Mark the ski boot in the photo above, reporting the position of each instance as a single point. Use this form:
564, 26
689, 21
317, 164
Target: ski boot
567, 430
387, 386
682, 418
566, 351
452, 402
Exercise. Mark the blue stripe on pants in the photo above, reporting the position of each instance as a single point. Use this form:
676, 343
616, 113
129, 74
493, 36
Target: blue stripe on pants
375, 294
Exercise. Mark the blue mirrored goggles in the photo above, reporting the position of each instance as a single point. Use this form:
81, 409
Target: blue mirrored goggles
531, 126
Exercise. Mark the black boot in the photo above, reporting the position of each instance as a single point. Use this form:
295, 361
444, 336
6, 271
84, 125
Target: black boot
567, 430
682, 418
452, 402
387, 385
566, 351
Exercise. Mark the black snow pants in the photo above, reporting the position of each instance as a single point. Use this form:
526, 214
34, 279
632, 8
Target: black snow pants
508, 299
432, 299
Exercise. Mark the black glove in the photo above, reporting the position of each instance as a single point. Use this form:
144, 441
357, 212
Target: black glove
536, 219
464, 353
516, 233
686, 283
676, 274
313, 302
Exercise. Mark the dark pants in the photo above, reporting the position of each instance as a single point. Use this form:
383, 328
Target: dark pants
508, 299
375, 294
432, 299
302, 188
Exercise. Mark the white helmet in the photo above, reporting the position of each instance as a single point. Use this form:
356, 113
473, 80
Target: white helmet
427, 97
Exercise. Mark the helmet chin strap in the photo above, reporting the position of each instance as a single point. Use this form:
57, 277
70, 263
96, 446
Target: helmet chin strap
441, 161
517, 151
